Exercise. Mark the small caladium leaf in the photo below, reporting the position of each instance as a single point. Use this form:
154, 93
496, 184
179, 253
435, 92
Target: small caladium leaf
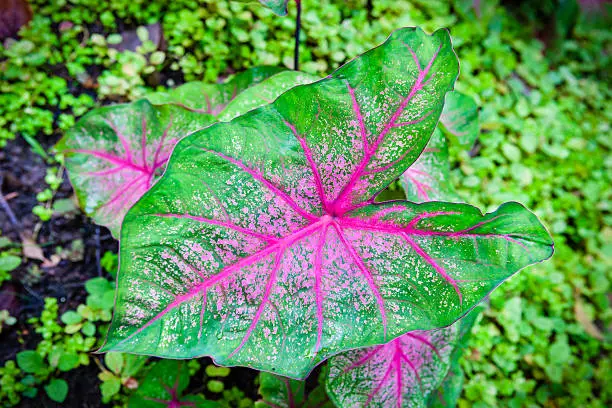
428, 178
279, 7
459, 118
262, 245
401, 373
211, 99
281, 392
264, 92
164, 385
448, 393
405, 372
114, 154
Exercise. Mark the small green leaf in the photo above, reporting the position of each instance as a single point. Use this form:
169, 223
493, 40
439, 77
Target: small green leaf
214, 371
459, 118
110, 387
277, 391
88, 329
9, 262
279, 7
57, 390
215, 386
68, 361
71, 317
114, 361
30, 361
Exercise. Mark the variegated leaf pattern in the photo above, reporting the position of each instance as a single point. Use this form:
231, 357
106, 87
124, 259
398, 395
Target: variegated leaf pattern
115, 154
262, 245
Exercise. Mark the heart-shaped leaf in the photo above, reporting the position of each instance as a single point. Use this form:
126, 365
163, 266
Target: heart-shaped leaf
262, 246
279, 7
115, 154
211, 99
406, 372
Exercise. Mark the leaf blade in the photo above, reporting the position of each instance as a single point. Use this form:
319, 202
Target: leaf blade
242, 253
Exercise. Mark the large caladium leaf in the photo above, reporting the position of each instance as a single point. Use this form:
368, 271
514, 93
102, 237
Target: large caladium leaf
262, 245
264, 92
211, 99
406, 372
114, 154
279, 7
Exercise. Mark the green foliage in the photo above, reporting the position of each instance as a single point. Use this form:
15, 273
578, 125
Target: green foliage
545, 143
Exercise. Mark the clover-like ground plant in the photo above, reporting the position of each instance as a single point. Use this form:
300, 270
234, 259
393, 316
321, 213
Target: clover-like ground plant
263, 244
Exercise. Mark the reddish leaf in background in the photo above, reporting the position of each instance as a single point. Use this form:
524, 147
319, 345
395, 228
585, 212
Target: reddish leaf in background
14, 14
262, 246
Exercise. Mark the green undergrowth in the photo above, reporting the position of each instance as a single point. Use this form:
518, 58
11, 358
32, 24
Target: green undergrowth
545, 142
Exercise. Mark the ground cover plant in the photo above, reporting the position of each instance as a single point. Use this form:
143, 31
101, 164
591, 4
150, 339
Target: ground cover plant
529, 125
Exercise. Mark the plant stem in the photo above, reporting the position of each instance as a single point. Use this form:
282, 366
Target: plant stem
298, 24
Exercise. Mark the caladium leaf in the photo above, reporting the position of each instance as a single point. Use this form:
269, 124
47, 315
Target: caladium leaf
279, 7
459, 118
164, 385
114, 154
428, 178
401, 373
262, 246
449, 391
211, 99
280, 392
264, 92
405, 372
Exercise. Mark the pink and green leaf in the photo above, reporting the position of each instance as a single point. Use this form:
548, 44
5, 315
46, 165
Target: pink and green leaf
211, 99
279, 7
428, 178
262, 245
406, 372
459, 119
448, 393
115, 154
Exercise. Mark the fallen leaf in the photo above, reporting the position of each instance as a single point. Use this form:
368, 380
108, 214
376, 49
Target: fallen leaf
31, 249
